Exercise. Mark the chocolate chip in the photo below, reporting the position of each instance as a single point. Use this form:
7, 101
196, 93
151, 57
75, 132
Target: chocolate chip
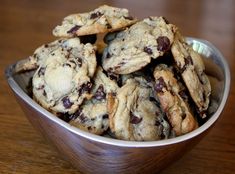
46, 45
82, 118
95, 15
66, 102
89, 128
100, 94
108, 26
160, 84
84, 88
75, 115
115, 77
163, 43
41, 71
134, 119
74, 29
148, 50
105, 116
183, 95
166, 21
67, 64
79, 62
128, 17
44, 93
157, 123
64, 116
188, 61
108, 55
72, 61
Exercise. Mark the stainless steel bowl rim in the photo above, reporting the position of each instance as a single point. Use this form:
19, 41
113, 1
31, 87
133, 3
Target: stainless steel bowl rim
122, 143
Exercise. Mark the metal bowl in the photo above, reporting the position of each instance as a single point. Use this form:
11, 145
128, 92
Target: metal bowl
99, 154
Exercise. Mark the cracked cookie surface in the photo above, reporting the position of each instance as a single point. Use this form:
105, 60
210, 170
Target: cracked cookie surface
103, 19
173, 101
92, 115
134, 116
192, 69
132, 49
62, 81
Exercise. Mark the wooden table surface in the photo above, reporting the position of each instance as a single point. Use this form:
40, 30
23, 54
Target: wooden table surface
25, 25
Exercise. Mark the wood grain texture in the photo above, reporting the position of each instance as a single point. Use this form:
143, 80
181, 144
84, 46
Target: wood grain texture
24, 25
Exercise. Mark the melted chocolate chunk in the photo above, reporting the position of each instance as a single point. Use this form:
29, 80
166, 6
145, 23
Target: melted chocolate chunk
188, 61
67, 64
148, 50
66, 102
166, 21
134, 119
65, 116
75, 115
74, 29
163, 43
160, 84
44, 93
82, 118
79, 62
105, 116
108, 55
100, 94
157, 123
84, 88
95, 15
113, 76
109, 26
41, 71
72, 61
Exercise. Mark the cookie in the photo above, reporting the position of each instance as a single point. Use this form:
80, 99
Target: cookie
132, 49
92, 115
41, 53
173, 101
103, 19
62, 80
134, 116
191, 67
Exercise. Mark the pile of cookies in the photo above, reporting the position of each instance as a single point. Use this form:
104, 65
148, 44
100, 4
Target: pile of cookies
143, 82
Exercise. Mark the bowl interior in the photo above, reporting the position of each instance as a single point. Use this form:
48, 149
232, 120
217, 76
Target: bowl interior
216, 68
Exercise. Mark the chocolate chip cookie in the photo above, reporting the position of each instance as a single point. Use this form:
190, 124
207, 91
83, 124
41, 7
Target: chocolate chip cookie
191, 67
92, 115
42, 52
103, 19
62, 80
132, 49
134, 116
173, 100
